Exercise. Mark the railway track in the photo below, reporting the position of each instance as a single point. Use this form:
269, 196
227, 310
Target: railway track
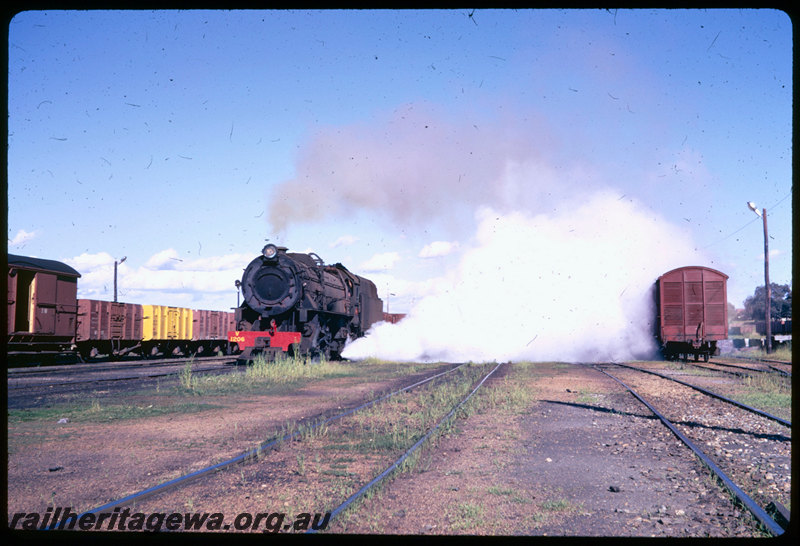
595, 448
104, 366
35, 386
761, 364
365, 424
747, 449
743, 365
712, 394
754, 359
57, 378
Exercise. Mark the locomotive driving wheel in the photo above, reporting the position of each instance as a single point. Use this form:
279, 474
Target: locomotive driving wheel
316, 338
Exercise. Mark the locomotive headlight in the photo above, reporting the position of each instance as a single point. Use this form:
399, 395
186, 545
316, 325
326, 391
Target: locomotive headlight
270, 251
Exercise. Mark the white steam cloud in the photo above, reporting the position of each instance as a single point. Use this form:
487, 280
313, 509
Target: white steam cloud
560, 267
415, 168
574, 286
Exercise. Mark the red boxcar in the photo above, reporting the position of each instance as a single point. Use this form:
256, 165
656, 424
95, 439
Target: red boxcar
106, 327
211, 324
109, 328
393, 318
692, 311
211, 328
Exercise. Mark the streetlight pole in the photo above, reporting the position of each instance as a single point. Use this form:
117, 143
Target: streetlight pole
768, 289
115, 276
388, 297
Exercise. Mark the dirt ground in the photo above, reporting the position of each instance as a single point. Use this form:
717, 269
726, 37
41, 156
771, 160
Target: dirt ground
562, 464
85, 465
564, 467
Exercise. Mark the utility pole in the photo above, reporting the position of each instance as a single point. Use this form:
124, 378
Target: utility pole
768, 289
768, 297
115, 276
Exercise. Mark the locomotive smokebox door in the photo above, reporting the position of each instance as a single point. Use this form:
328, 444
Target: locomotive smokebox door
270, 286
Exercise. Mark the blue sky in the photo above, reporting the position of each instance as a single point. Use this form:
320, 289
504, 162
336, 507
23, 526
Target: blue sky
379, 139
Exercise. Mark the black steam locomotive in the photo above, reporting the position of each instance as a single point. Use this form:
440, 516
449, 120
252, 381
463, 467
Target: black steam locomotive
295, 303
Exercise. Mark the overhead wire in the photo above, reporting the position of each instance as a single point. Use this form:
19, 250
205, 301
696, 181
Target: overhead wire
781, 200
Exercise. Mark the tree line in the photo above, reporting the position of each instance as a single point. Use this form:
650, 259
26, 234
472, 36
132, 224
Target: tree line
780, 302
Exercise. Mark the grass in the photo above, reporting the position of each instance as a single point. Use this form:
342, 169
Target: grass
263, 376
508, 492
767, 391
508, 394
585, 396
367, 441
336, 457
780, 353
557, 505
286, 373
465, 515
187, 381
96, 412
400, 421
395, 425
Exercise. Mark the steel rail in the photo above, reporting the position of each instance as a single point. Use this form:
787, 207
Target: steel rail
748, 359
769, 362
244, 457
202, 371
731, 372
111, 365
727, 365
759, 513
787, 374
358, 494
742, 405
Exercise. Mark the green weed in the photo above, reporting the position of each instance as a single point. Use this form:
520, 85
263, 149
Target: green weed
783, 352
94, 412
187, 382
558, 505
465, 515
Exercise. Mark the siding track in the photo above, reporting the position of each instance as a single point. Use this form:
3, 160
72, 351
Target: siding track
741, 445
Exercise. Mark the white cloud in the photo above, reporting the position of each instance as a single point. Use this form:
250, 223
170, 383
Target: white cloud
344, 240
22, 237
773, 253
166, 259
381, 262
438, 248
89, 262
164, 279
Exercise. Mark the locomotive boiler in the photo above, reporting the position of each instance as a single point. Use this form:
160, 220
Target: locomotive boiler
294, 302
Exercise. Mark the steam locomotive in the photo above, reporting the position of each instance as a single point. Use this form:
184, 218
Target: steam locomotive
295, 303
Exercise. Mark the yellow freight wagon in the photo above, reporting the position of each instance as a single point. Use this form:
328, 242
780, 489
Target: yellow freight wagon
160, 322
